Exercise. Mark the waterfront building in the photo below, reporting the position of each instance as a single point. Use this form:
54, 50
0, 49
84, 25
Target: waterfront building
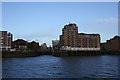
5, 40
20, 45
115, 43
33, 45
69, 35
61, 40
55, 44
73, 40
43, 46
112, 44
103, 46
88, 40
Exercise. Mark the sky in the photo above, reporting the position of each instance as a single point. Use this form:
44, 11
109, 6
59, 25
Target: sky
43, 21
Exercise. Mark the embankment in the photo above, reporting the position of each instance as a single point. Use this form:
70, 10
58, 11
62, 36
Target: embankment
8, 54
57, 53
84, 53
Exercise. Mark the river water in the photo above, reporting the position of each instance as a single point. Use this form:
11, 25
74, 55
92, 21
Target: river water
46, 66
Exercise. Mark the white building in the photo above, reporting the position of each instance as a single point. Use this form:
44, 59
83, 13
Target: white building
55, 42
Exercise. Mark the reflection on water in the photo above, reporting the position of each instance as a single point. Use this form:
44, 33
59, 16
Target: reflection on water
61, 67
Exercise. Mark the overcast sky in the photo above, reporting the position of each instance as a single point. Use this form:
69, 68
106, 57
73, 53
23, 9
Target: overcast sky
43, 21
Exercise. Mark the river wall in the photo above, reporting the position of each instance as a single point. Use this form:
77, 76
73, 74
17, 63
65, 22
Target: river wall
8, 54
84, 53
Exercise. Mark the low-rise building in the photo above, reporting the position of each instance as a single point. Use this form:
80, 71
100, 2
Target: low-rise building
43, 46
20, 45
115, 43
33, 45
112, 44
55, 44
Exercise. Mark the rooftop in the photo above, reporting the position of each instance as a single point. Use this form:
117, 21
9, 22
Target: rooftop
86, 34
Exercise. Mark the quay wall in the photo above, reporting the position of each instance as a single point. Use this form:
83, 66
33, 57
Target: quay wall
84, 53
8, 54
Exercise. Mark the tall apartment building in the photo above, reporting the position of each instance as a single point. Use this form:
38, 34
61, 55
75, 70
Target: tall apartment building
71, 38
69, 35
5, 40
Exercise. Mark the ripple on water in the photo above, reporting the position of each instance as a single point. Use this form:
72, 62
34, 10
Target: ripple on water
67, 67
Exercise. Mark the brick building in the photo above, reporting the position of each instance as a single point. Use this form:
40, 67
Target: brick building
71, 38
88, 40
5, 40
69, 35
20, 45
33, 45
112, 44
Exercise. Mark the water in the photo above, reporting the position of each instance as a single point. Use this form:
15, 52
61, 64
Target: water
61, 67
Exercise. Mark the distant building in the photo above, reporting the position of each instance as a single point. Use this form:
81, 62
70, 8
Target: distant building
5, 40
112, 44
115, 43
103, 46
33, 45
44, 46
20, 45
72, 39
56, 44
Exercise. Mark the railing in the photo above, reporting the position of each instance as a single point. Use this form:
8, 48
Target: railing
79, 49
